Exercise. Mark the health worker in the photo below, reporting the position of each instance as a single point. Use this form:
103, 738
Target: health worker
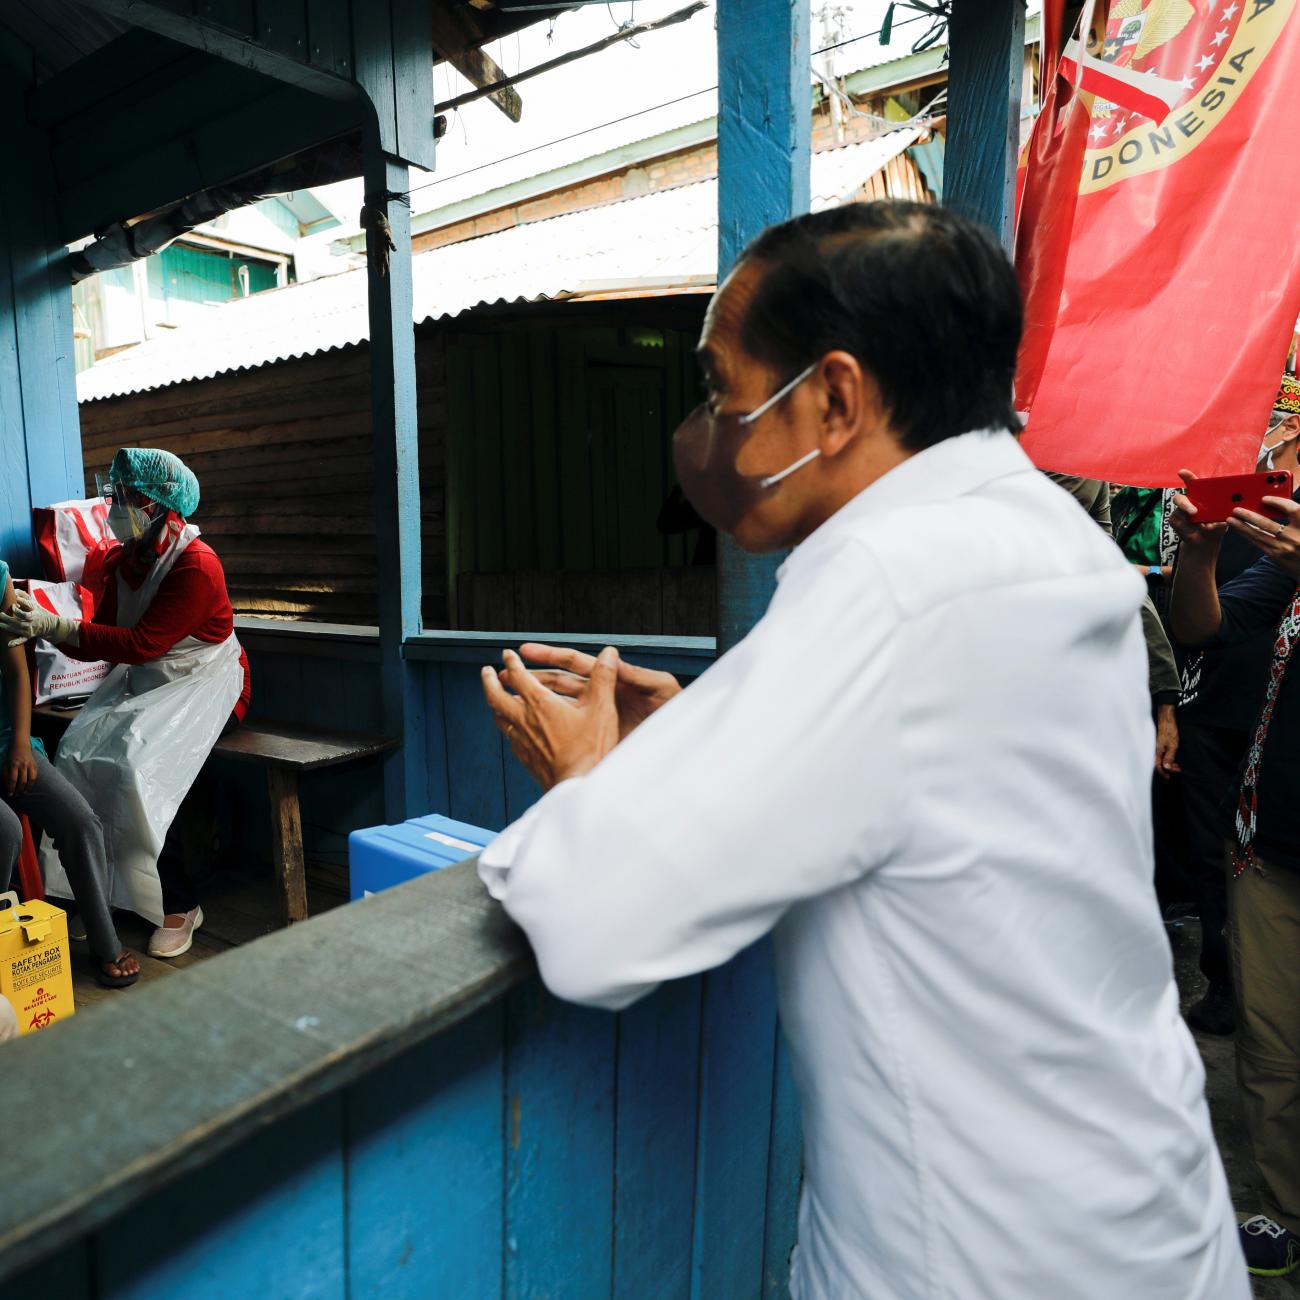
179, 683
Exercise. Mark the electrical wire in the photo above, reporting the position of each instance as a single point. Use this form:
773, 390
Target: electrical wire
628, 117
523, 153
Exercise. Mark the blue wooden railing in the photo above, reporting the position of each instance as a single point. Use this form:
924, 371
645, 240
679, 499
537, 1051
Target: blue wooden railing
385, 1102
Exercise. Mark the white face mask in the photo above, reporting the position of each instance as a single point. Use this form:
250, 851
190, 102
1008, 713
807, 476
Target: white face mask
127, 523
1266, 450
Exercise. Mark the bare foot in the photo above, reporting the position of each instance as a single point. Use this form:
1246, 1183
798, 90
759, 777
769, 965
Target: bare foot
124, 965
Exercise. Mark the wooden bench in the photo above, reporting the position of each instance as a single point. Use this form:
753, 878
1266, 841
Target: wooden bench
285, 752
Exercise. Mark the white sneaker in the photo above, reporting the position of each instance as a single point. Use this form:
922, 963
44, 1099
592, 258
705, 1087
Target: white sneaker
172, 941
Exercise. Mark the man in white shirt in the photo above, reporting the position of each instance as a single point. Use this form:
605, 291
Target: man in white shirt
925, 771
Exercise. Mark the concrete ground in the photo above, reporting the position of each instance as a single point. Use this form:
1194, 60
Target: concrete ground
1225, 1109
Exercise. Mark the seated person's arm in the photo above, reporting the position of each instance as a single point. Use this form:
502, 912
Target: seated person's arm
19, 765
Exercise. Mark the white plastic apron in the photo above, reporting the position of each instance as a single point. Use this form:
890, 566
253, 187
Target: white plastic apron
138, 745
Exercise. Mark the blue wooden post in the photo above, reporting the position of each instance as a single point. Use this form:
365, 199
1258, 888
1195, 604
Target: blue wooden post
40, 435
747, 1174
986, 52
397, 473
391, 49
764, 176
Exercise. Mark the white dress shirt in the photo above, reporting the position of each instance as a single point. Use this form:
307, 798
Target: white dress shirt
928, 771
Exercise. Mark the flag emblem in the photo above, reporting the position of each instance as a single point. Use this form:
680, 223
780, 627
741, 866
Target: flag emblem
1168, 72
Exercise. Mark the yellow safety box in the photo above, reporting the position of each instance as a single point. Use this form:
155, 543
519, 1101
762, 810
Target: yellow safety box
35, 968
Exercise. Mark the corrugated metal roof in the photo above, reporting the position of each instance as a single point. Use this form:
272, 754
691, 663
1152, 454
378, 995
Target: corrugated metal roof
664, 238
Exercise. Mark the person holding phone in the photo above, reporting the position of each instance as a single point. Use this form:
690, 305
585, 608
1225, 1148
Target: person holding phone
1223, 691
30, 786
1262, 830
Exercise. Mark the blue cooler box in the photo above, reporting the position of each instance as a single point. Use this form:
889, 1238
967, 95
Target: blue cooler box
383, 856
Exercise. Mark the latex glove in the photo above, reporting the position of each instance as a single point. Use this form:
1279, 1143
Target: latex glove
27, 621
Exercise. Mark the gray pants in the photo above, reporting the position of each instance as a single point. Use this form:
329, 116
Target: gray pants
60, 810
1264, 932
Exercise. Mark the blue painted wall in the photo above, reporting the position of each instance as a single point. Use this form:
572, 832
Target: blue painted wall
536, 1150
40, 443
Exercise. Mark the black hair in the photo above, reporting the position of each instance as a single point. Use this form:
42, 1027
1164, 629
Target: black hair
926, 300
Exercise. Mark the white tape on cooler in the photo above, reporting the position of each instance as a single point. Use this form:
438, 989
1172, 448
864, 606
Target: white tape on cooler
454, 843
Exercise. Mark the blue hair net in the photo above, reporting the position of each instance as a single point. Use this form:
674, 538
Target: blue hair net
159, 475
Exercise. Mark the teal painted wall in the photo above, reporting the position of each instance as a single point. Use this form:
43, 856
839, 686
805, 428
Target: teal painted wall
40, 443
281, 216
205, 275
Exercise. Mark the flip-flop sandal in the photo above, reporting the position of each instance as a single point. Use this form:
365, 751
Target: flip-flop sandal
107, 981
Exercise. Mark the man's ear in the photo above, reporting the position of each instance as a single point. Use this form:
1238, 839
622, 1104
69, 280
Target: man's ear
853, 406
1291, 428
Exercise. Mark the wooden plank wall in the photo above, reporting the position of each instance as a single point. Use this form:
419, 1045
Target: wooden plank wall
647, 602
559, 461
900, 178
534, 1150
285, 461
544, 460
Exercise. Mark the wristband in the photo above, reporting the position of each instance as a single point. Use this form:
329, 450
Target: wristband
1154, 571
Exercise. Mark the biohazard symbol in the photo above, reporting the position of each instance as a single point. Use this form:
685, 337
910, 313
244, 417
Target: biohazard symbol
41, 1019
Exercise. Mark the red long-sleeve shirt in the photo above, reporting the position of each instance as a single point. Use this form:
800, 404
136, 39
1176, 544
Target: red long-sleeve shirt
190, 601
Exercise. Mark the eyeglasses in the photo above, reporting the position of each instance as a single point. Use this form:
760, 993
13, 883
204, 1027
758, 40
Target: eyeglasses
778, 396
119, 493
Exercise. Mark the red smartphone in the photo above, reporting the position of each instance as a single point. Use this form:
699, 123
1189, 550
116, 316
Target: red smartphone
1216, 498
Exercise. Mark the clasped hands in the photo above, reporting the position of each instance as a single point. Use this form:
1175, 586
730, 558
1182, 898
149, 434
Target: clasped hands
26, 620
564, 715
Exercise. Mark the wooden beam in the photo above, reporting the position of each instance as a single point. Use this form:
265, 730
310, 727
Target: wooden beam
457, 37
986, 52
131, 63
288, 55
237, 138
489, 88
397, 473
393, 43
378, 51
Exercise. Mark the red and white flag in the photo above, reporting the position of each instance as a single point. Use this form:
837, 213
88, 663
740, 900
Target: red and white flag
1169, 310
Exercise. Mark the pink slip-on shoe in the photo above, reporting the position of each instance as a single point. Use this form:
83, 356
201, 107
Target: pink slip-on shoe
171, 941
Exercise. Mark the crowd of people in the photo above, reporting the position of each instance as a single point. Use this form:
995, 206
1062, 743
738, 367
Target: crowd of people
927, 772
1219, 623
